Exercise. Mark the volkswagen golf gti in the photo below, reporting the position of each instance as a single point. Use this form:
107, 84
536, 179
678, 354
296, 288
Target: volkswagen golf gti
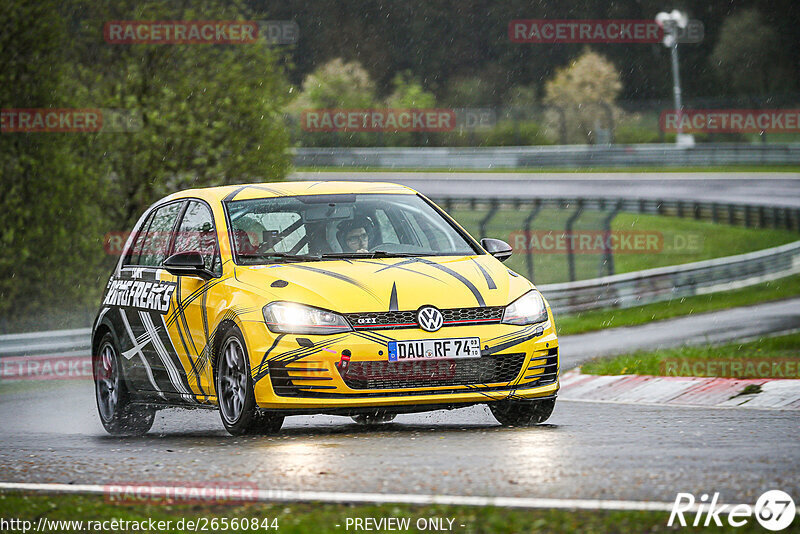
349, 298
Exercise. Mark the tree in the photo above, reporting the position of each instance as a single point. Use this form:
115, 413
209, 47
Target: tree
336, 84
584, 95
408, 93
748, 56
51, 230
210, 114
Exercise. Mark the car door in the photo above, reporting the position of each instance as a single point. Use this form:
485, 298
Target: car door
151, 303
189, 326
123, 312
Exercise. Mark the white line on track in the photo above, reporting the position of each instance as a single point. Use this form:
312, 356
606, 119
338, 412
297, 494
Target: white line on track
262, 495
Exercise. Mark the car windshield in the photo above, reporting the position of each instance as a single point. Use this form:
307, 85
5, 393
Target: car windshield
317, 227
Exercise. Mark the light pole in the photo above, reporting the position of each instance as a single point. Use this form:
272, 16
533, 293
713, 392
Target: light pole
671, 23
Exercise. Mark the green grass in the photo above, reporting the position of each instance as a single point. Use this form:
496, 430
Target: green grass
679, 240
320, 518
706, 360
600, 319
710, 168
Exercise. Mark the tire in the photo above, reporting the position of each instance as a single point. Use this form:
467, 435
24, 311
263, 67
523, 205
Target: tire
119, 416
377, 418
522, 413
234, 385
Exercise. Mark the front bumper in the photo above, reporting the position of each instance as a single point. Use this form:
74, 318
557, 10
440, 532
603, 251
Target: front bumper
307, 373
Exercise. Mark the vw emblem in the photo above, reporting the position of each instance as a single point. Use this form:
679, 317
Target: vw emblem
429, 318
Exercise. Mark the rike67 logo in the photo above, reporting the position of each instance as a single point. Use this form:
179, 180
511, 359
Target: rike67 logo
774, 510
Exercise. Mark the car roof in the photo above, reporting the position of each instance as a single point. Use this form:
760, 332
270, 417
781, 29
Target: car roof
283, 189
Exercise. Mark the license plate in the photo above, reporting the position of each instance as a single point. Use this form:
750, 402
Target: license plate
434, 349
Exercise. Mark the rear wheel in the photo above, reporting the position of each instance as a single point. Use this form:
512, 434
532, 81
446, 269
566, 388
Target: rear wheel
373, 418
522, 413
237, 402
119, 416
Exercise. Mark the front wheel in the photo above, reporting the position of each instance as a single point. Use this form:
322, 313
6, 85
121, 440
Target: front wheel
119, 416
237, 402
522, 412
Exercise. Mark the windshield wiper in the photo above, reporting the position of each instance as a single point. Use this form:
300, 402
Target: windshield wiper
374, 254
281, 256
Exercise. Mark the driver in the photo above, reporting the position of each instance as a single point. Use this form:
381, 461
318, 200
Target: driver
353, 234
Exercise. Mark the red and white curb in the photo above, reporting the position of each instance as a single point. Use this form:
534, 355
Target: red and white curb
775, 394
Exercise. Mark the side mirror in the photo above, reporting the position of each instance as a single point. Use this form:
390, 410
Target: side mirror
187, 264
497, 248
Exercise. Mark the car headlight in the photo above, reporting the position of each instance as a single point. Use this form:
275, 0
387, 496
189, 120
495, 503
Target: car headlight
528, 309
293, 318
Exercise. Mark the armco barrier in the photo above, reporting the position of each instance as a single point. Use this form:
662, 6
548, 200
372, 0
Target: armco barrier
664, 283
62, 342
571, 156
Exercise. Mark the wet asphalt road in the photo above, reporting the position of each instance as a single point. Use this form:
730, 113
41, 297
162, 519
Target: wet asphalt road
606, 451
780, 189
50, 433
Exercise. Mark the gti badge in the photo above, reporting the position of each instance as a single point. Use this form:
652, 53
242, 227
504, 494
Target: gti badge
429, 318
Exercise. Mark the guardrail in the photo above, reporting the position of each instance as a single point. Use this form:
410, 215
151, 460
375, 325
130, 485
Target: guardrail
64, 342
571, 156
665, 283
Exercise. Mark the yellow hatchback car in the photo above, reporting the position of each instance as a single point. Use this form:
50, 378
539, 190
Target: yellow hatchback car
348, 298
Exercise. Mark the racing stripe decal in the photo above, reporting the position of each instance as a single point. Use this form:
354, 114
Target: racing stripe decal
458, 277
189, 356
233, 193
515, 341
373, 336
137, 349
393, 298
338, 276
199, 292
263, 369
238, 190
489, 282
399, 265
172, 370
292, 356
444, 269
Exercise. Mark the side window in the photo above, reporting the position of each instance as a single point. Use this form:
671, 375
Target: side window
154, 249
196, 233
132, 258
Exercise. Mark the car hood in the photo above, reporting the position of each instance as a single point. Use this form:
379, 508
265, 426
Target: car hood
384, 284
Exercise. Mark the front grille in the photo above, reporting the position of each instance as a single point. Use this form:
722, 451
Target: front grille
408, 319
499, 368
